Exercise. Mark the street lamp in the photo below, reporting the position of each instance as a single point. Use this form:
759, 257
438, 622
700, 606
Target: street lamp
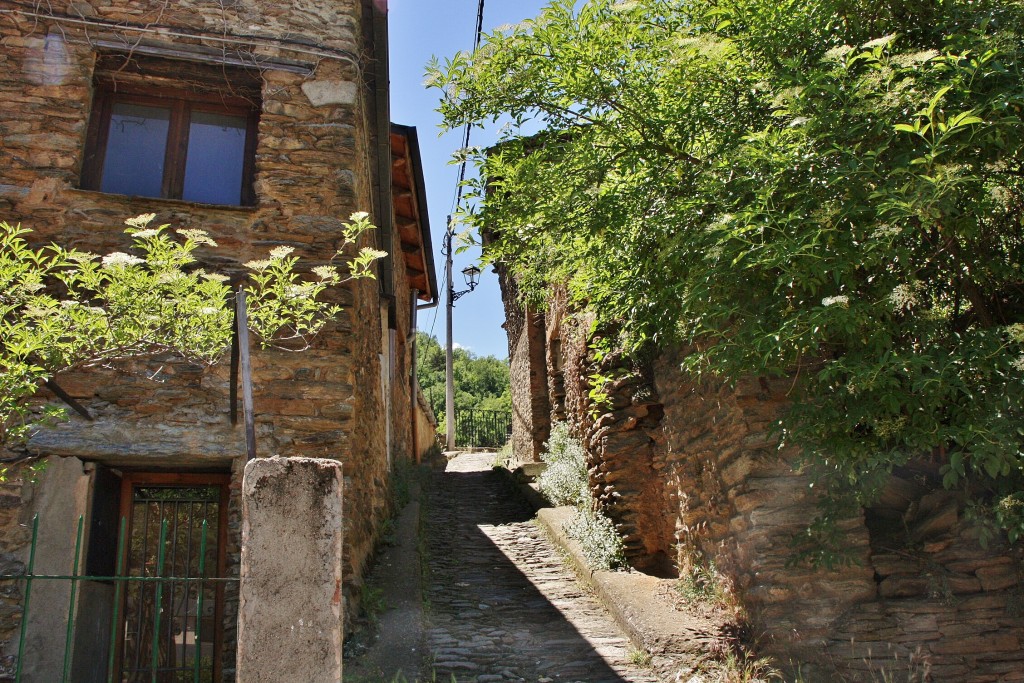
472, 276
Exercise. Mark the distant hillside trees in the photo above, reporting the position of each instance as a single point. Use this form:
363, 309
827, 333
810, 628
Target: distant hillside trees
480, 383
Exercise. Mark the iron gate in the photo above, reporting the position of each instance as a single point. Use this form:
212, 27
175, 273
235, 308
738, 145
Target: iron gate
166, 614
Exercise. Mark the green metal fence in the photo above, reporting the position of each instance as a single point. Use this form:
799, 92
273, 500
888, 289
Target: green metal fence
482, 428
154, 582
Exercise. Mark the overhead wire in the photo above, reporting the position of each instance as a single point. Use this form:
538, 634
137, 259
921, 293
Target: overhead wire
457, 199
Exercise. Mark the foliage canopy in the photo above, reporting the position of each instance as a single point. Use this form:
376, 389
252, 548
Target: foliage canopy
829, 190
481, 383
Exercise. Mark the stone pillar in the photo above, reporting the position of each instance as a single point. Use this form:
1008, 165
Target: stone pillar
290, 608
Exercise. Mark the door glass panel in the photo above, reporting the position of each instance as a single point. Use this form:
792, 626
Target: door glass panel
166, 651
216, 157
136, 144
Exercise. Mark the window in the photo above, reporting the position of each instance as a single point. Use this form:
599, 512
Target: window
163, 142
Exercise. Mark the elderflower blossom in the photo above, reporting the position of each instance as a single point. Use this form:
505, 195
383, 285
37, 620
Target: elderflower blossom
879, 42
298, 291
258, 264
1016, 332
884, 231
359, 216
214, 277
197, 236
281, 252
837, 53
840, 300
325, 272
1018, 364
140, 221
904, 296
170, 277
82, 256
915, 58
119, 259
144, 234
209, 310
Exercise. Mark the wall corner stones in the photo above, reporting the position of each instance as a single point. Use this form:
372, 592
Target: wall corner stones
321, 93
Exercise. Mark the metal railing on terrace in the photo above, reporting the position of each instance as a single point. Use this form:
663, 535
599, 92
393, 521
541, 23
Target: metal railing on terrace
482, 428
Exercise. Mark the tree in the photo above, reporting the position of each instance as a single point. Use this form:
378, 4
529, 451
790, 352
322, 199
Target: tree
63, 309
830, 191
480, 383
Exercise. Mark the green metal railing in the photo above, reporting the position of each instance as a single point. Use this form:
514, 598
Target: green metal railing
121, 585
482, 428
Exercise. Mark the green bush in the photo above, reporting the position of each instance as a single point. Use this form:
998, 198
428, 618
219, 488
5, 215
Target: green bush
564, 482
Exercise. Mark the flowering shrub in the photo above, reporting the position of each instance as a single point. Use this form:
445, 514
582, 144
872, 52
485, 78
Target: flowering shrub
564, 482
62, 309
600, 542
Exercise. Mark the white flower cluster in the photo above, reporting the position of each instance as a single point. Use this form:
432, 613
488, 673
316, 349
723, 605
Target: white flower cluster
884, 231
197, 236
140, 221
879, 42
258, 264
119, 259
325, 272
281, 252
1018, 364
904, 297
837, 53
840, 300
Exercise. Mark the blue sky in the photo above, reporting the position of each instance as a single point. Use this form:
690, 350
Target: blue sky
420, 29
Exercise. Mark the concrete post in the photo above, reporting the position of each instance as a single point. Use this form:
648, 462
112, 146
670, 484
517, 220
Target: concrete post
290, 608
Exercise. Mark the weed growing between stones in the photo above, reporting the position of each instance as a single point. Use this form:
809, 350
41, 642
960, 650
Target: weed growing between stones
705, 585
640, 658
373, 602
504, 455
738, 667
564, 482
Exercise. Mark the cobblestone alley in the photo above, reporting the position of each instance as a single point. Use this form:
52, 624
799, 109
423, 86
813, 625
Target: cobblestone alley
501, 605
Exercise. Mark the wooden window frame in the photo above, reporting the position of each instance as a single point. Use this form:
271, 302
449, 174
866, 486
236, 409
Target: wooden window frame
181, 104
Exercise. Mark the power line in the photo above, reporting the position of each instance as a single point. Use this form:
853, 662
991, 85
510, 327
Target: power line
466, 131
449, 384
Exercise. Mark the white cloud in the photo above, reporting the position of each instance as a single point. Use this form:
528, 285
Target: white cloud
457, 345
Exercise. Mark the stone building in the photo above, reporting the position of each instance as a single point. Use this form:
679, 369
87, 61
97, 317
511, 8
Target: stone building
265, 124
692, 476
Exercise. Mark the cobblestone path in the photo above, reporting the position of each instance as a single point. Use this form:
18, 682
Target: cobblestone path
501, 605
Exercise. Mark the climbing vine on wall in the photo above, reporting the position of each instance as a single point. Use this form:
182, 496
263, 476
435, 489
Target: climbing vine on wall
828, 191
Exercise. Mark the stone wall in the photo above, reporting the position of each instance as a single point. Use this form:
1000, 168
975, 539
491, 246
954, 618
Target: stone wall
531, 407
695, 482
314, 166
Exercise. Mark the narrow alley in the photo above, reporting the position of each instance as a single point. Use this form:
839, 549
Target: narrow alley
503, 606
499, 603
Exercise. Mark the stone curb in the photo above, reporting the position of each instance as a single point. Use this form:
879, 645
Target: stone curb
651, 624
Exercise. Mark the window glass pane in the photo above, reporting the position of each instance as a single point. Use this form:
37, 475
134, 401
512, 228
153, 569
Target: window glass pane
134, 162
216, 156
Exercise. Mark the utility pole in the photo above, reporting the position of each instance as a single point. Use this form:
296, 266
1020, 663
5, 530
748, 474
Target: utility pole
472, 275
449, 358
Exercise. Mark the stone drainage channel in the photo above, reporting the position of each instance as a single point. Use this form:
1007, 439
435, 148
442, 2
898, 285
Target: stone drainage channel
497, 603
